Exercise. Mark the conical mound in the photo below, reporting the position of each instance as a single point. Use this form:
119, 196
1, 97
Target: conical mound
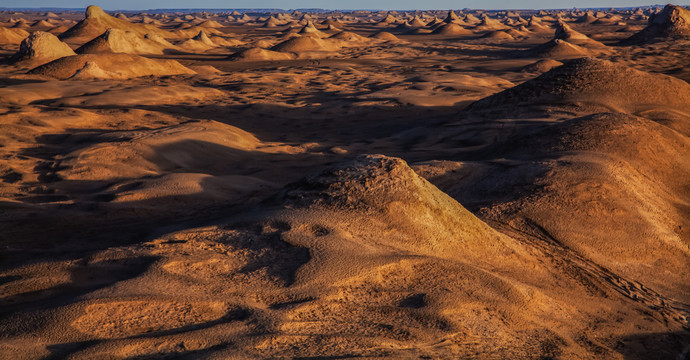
451, 29
97, 22
558, 48
673, 22
566, 33
91, 71
302, 43
12, 36
203, 38
257, 53
120, 41
385, 192
384, 35
42, 47
348, 36
310, 29
452, 17
124, 65
587, 18
595, 81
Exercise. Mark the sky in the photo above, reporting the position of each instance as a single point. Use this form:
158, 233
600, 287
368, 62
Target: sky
324, 4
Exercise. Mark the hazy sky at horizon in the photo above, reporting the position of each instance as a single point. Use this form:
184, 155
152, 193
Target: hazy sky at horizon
324, 4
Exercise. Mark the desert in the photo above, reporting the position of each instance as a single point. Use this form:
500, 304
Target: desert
345, 184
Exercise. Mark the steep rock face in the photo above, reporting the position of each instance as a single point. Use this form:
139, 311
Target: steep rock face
673, 22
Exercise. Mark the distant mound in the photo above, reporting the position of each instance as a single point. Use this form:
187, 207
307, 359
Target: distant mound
557, 48
257, 53
566, 33
587, 18
310, 29
119, 65
41, 47
348, 36
386, 36
97, 22
303, 43
595, 81
673, 22
121, 41
498, 35
12, 36
200, 42
451, 29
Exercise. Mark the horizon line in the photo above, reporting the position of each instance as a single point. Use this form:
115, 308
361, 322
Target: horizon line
328, 9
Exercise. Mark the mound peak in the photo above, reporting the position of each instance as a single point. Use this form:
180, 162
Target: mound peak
673, 22
565, 32
42, 46
97, 22
201, 36
598, 82
93, 11
452, 17
558, 48
91, 70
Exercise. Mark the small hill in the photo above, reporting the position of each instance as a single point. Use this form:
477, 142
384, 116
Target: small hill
96, 22
386, 36
304, 43
122, 65
260, 54
385, 193
41, 47
451, 29
348, 36
121, 41
566, 33
498, 35
598, 82
557, 48
673, 22
12, 36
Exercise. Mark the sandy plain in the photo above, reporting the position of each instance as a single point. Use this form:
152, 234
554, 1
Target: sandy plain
427, 185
